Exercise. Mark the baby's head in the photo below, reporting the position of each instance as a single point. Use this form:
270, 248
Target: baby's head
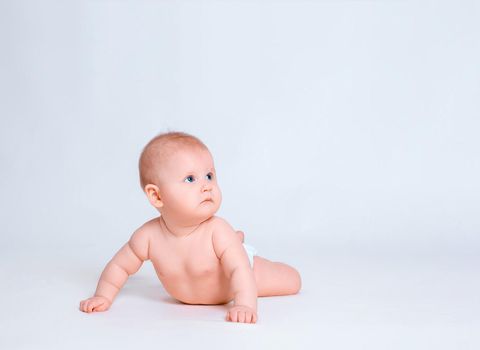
178, 176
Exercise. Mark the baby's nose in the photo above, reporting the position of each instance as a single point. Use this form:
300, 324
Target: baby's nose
207, 187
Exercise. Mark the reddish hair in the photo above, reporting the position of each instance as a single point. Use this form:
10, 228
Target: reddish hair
158, 148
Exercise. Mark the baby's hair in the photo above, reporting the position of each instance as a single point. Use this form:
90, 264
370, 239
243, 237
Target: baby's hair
158, 148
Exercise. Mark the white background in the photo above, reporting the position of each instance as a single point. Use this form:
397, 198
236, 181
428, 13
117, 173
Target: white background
346, 140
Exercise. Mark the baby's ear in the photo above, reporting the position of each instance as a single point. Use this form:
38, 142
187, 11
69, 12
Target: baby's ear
153, 195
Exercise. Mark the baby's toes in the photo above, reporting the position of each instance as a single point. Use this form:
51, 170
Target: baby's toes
241, 316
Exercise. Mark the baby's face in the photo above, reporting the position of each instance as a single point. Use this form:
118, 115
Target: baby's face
188, 186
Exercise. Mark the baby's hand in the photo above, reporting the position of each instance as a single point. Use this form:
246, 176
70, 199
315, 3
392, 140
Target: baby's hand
241, 313
95, 304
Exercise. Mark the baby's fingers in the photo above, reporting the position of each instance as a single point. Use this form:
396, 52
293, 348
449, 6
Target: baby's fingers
101, 307
84, 305
234, 316
91, 305
242, 316
96, 305
231, 316
250, 317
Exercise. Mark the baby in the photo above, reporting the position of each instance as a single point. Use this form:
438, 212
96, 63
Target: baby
197, 256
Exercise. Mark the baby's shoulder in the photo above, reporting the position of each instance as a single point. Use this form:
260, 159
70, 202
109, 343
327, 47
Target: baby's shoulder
223, 235
219, 224
147, 229
140, 239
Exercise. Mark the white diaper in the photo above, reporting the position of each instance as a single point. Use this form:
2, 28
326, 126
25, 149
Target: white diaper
251, 252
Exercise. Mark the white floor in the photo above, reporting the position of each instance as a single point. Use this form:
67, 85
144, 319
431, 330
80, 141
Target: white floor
348, 301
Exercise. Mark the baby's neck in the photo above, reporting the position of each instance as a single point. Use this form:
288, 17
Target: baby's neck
176, 229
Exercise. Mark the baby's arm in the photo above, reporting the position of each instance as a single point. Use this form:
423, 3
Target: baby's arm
236, 266
126, 262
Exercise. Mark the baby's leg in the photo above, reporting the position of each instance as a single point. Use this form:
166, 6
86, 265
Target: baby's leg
275, 278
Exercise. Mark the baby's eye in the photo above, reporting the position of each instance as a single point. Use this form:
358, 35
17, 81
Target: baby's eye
209, 176
189, 179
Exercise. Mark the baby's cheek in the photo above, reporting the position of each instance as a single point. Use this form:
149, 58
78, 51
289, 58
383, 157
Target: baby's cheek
219, 196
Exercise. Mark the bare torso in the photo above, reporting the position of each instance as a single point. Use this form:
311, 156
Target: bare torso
188, 267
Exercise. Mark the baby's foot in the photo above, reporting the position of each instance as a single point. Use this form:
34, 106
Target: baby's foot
241, 236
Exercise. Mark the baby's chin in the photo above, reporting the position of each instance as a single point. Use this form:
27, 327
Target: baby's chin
207, 209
